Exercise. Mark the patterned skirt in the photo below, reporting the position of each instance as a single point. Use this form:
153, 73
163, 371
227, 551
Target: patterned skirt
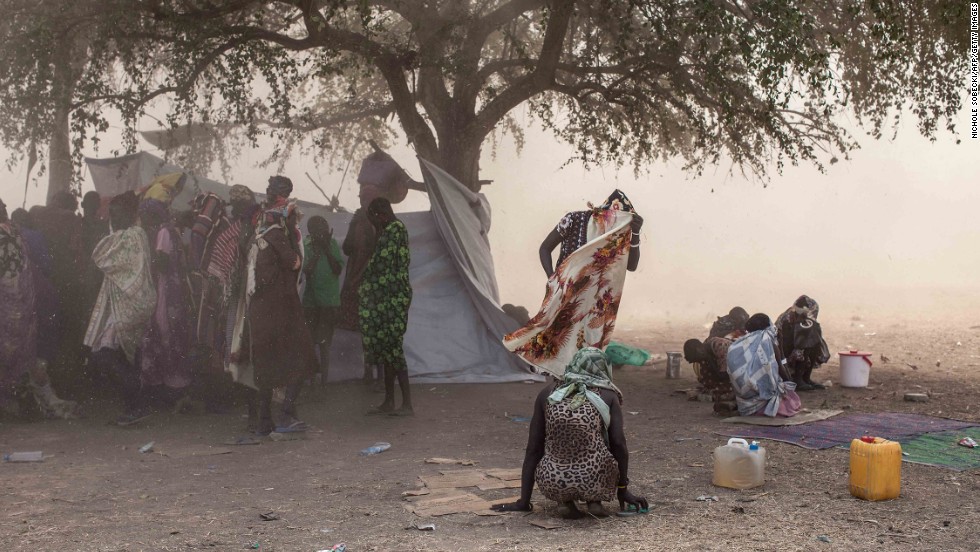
577, 464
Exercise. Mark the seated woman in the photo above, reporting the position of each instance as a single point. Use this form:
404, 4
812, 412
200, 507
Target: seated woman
710, 360
576, 448
757, 370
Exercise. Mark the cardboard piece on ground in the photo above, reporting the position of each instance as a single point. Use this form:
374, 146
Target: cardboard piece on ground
546, 523
455, 480
460, 461
431, 494
452, 504
492, 484
506, 474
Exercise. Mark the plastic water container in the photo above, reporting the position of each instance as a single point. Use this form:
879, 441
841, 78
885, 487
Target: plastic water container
876, 468
674, 364
855, 368
33, 456
739, 465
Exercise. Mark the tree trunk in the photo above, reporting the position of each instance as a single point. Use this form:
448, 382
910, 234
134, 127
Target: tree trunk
59, 155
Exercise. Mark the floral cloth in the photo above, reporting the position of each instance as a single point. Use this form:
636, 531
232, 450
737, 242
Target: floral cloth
385, 296
127, 298
581, 300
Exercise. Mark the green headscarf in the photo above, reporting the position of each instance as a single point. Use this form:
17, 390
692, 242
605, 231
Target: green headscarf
588, 370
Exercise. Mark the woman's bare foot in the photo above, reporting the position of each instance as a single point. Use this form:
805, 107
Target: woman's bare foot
596, 509
568, 510
384, 408
402, 412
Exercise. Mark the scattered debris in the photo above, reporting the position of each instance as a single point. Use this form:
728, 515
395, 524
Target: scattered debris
243, 440
376, 448
823, 538
912, 366
252, 545
422, 527
520, 419
828, 384
706, 498
871, 334
269, 516
916, 397
33, 456
938, 362
884, 359
967, 442
752, 498
738, 510
335, 548
679, 439
288, 436
147, 447
459, 461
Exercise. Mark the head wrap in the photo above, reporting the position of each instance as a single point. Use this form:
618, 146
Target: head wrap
587, 370
238, 193
617, 201
165, 187
279, 186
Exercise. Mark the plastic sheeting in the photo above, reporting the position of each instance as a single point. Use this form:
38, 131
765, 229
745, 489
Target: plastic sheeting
455, 323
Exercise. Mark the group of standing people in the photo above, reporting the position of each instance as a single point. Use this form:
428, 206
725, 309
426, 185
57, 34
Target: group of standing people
174, 301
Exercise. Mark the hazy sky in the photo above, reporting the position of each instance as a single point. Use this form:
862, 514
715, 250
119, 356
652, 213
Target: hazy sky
895, 229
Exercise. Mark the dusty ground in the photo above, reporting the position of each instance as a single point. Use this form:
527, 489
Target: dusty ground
97, 492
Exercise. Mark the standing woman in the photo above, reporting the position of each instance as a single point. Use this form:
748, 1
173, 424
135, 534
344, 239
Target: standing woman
385, 295
282, 351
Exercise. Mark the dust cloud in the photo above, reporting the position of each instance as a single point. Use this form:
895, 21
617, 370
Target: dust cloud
894, 231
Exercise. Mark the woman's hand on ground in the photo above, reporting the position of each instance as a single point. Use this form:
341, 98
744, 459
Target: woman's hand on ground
626, 497
519, 506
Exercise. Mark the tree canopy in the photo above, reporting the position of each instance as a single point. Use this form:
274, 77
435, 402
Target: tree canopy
750, 83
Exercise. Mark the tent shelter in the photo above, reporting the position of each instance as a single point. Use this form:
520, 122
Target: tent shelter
455, 321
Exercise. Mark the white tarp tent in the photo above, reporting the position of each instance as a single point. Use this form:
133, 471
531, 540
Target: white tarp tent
455, 323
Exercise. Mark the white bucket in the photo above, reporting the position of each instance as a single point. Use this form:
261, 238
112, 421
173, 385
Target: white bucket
855, 368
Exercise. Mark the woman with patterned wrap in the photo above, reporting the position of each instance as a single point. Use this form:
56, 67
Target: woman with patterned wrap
576, 447
385, 296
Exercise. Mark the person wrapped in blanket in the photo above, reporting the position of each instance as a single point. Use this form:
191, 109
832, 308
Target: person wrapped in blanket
576, 446
572, 232
801, 338
758, 373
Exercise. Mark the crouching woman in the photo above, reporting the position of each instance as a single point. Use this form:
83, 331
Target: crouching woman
576, 448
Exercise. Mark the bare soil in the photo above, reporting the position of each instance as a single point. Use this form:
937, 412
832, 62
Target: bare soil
96, 491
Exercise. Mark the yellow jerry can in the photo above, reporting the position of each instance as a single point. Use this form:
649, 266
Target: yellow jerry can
876, 468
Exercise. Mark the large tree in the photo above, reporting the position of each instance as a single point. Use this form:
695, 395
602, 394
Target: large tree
750, 83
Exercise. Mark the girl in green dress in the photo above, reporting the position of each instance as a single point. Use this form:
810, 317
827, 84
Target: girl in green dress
385, 295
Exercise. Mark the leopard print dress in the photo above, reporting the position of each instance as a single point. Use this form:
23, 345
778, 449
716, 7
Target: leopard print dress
577, 464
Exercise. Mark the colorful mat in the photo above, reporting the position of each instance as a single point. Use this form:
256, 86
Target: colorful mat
940, 450
839, 430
